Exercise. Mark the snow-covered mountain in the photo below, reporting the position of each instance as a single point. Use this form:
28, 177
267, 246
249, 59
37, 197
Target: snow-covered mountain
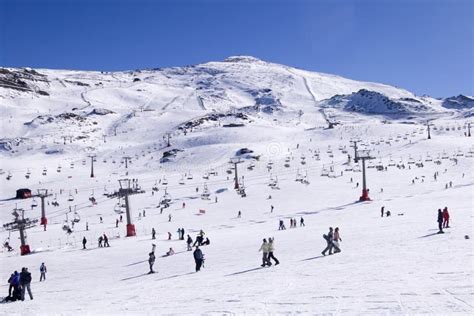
88, 106
173, 131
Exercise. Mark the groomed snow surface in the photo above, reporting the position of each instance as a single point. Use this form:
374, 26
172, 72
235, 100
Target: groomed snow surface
394, 265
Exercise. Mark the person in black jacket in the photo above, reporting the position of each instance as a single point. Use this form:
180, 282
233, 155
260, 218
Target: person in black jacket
198, 258
25, 280
440, 221
189, 242
84, 242
329, 246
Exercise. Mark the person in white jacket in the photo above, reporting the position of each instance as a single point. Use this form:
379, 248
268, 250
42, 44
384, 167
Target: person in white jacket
265, 249
271, 248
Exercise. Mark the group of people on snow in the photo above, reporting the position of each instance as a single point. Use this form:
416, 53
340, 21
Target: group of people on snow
267, 249
332, 241
20, 283
443, 219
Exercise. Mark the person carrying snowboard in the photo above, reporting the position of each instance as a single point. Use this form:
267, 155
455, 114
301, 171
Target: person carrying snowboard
43, 272
328, 238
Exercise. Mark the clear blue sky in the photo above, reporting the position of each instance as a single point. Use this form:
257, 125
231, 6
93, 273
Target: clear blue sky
426, 46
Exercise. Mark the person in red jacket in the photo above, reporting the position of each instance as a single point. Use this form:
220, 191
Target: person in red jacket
445, 217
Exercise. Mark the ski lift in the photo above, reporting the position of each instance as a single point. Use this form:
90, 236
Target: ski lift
55, 201
165, 200
72, 165
205, 195
324, 172
299, 176
70, 197
190, 176
229, 170
45, 171
273, 183
428, 158
348, 167
251, 166
83, 162
34, 203
28, 173
305, 179
411, 161
206, 176
9, 175
77, 218
444, 155
181, 181
59, 168
164, 181
356, 168
118, 208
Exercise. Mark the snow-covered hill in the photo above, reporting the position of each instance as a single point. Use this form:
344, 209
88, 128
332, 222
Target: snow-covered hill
292, 131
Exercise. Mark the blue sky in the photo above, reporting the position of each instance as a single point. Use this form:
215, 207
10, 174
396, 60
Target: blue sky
425, 46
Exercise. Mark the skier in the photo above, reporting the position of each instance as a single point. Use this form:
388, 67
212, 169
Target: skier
100, 241
153, 233
445, 217
151, 261
144, 214
169, 236
335, 240
302, 222
43, 272
328, 238
382, 211
25, 280
265, 249
106, 241
84, 242
189, 241
169, 218
198, 258
116, 223
239, 214
101, 220
182, 234
170, 252
87, 226
184, 205
440, 222
282, 225
179, 233
121, 218
271, 248
271, 208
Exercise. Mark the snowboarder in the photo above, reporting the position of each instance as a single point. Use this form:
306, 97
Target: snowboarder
101, 220
440, 222
239, 214
265, 249
169, 236
25, 280
335, 240
184, 205
153, 233
100, 241
170, 252
43, 272
271, 208
189, 241
116, 223
382, 211
271, 248
169, 218
106, 241
328, 238
151, 261
198, 258
445, 217
84, 242
302, 222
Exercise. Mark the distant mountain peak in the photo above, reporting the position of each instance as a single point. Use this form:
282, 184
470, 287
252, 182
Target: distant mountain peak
241, 59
